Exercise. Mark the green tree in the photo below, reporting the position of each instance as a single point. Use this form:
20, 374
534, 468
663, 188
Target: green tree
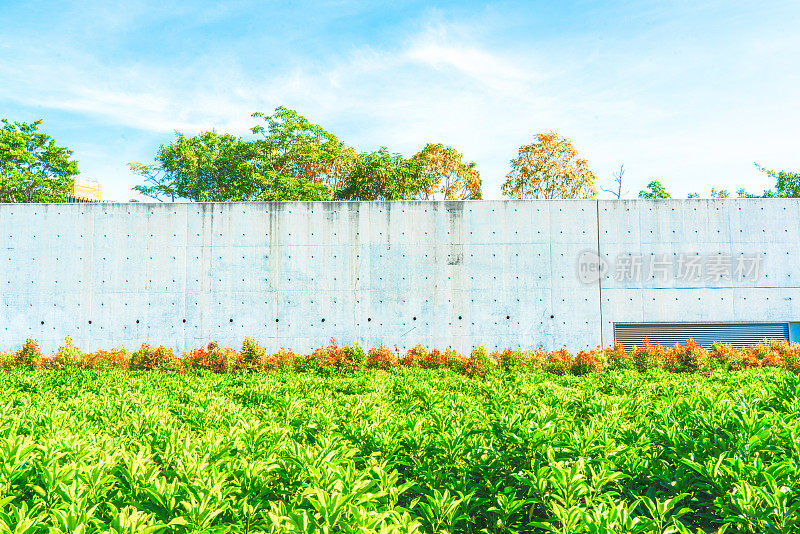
654, 190
32, 167
208, 167
299, 160
719, 193
715, 193
383, 176
292, 159
787, 184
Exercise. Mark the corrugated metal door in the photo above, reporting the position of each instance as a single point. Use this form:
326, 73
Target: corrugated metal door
668, 334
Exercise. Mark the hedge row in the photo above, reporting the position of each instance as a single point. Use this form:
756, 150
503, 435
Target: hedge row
687, 358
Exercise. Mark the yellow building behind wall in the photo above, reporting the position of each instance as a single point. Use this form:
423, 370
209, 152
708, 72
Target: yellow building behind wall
88, 190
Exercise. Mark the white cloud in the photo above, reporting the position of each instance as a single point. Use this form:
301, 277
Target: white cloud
438, 85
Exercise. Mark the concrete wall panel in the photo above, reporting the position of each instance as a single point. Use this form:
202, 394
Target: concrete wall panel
459, 274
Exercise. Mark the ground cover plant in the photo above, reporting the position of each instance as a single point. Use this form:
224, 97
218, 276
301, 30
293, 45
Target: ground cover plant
117, 442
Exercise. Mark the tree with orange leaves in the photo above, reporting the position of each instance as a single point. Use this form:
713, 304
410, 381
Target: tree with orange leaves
549, 168
449, 177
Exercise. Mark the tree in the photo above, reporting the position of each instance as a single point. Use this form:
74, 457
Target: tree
32, 167
383, 176
715, 193
617, 192
719, 193
787, 184
549, 168
208, 167
292, 160
299, 157
450, 178
654, 190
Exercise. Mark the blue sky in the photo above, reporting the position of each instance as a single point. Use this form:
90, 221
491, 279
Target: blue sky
687, 92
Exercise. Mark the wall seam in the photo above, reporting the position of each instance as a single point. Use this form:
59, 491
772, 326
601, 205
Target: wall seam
600, 272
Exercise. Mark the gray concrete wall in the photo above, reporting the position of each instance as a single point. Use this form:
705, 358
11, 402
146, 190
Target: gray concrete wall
501, 273
765, 229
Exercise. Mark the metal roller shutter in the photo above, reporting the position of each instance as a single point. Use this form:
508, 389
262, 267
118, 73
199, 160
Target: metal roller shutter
668, 334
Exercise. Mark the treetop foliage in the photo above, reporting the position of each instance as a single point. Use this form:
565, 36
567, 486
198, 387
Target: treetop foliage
449, 177
295, 159
654, 190
32, 167
549, 168
291, 158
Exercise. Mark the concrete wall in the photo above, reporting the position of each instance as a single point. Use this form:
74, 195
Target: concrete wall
501, 273
768, 229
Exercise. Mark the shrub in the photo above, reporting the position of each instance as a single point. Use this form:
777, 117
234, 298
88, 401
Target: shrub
382, 357
415, 356
212, 358
29, 356
511, 359
67, 355
283, 360
252, 356
106, 359
433, 360
353, 355
585, 363
333, 357
454, 361
649, 356
725, 356
148, 358
559, 362
617, 357
689, 358
479, 362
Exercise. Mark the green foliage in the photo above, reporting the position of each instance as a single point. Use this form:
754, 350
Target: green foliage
32, 167
715, 193
384, 176
208, 167
406, 450
252, 354
29, 356
293, 159
297, 159
148, 358
787, 184
719, 193
654, 190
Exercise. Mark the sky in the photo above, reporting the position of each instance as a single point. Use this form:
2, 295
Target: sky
690, 93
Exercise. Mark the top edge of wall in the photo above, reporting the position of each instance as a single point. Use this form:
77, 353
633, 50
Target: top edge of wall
498, 201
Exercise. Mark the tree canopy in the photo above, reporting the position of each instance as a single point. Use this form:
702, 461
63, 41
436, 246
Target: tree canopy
787, 184
299, 160
654, 190
381, 175
32, 167
448, 177
208, 167
294, 159
549, 168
